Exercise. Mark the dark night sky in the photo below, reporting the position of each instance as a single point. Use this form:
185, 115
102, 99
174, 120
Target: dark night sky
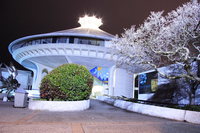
21, 18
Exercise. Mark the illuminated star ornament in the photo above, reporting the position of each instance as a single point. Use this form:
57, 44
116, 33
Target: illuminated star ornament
91, 22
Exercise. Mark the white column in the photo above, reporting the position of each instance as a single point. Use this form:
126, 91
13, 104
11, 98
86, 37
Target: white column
38, 75
34, 79
134, 84
111, 81
123, 83
68, 60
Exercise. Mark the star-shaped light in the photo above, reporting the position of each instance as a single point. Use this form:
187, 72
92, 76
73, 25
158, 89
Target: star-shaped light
91, 22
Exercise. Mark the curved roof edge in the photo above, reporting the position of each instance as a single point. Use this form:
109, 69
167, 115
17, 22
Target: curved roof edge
88, 32
81, 32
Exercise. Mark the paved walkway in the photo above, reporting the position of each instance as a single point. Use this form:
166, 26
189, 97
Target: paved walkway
100, 118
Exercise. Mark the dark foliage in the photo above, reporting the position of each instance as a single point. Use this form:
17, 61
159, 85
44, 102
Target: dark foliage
169, 93
50, 92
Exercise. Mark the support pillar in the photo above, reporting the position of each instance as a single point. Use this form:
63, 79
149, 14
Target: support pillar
123, 83
110, 81
38, 75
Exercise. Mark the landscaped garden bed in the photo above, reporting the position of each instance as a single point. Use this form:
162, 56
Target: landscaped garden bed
163, 112
66, 88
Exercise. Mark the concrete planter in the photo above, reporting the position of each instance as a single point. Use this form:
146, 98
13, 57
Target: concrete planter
109, 101
122, 104
59, 105
163, 112
102, 98
192, 116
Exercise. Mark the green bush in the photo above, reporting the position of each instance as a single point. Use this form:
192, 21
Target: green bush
192, 107
69, 82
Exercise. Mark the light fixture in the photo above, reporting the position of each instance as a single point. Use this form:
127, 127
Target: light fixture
91, 22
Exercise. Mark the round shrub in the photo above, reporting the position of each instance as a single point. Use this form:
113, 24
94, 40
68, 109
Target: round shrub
69, 82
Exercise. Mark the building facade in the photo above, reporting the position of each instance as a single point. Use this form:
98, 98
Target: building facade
86, 45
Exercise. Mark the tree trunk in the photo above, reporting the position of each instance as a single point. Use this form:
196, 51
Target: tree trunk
198, 69
192, 99
193, 88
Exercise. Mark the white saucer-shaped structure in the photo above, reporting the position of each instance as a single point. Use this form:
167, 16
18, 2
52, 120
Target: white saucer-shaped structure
85, 45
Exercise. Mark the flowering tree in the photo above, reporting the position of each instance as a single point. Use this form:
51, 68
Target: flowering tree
163, 40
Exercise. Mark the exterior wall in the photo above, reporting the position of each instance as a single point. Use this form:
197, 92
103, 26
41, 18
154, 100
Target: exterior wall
123, 83
108, 44
28, 52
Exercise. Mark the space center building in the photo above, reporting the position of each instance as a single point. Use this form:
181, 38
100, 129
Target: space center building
86, 45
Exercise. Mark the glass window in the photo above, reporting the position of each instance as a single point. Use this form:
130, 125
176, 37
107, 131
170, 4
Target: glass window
71, 40
33, 42
100, 43
46, 40
54, 39
22, 44
75, 40
89, 41
83, 41
28, 43
62, 40
93, 42
38, 41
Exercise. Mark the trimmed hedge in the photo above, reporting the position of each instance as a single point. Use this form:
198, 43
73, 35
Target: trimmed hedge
68, 82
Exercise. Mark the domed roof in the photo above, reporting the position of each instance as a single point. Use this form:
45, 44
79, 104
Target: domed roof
86, 32
89, 28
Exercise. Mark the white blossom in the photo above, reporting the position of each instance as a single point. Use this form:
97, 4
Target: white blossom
162, 40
